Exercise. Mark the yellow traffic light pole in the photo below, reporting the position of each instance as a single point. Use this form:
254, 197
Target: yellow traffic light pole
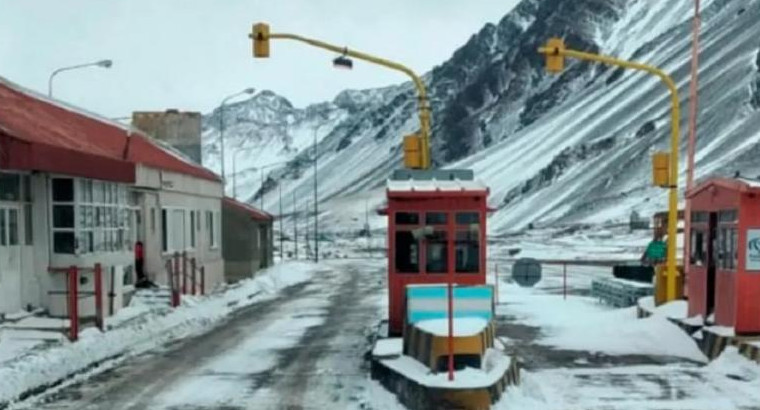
260, 35
556, 52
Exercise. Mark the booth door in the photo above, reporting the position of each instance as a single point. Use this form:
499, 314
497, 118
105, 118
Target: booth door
10, 259
712, 248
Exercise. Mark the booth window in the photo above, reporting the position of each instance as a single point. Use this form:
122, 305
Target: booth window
436, 253
698, 255
407, 218
700, 217
728, 216
728, 248
468, 218
436, 218
407, 253
468, 251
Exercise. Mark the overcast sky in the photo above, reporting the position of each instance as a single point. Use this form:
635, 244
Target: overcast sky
190, 54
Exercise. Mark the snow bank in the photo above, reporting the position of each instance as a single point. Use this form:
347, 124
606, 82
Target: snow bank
463, 326
579, 323
51, 366
388, 347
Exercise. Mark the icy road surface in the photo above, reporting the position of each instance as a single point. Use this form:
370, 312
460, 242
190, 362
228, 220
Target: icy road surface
303, 350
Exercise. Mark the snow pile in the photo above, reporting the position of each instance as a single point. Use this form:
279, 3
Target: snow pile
463, 326
579, 323
51, 366
388, 347
495, 367
677, 309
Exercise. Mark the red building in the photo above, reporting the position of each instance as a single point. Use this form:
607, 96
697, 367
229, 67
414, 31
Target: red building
436, 232
724, 271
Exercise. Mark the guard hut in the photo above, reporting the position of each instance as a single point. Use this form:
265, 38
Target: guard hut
436, 232
724, 259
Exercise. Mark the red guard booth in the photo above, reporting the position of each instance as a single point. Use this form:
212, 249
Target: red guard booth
724, 259
436, 228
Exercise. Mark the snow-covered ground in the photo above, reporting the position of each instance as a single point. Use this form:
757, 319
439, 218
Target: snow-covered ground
579, 354
29, 367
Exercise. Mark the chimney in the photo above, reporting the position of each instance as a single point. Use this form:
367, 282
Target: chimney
181, 130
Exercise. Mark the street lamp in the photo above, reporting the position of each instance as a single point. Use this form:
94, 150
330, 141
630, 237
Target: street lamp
248, 91
101, 63
665, 165
416, 146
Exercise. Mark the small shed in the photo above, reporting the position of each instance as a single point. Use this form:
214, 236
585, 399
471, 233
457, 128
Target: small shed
246, 240
436, 233
724, 259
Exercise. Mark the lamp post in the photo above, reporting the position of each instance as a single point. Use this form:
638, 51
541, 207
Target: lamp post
316, 206
234, 173
101, 63
416, 146
248, 91
556, 53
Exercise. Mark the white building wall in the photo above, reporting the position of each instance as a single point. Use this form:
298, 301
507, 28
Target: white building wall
164, 190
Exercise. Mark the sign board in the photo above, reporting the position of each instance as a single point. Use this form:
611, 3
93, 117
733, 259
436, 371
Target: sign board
753, 250
526, 272
426, 302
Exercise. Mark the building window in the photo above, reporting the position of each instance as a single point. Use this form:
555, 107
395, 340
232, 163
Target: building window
436, 252
698, 248
407, 255
175, 231
468, 251
728, 248
407, 218
10, 187
468, 218
3, 229
435, 218
28, 225
728, 216
90, 216
212, 228
164, 231
700, 217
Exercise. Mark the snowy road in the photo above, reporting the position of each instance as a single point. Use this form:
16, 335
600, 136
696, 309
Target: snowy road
302, 350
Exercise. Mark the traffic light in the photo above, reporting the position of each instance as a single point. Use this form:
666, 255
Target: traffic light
260, 36
555, 59
413, 151
661, 169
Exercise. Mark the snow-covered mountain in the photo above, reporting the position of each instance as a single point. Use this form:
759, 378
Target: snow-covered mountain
568, 148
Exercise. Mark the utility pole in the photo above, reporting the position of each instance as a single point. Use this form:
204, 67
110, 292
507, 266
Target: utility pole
295, 225
366, 226
282, 233
316, 209
306, 234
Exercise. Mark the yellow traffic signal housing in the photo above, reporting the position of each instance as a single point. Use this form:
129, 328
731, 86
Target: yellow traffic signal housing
260, 36
555, 59
661, 169
413, 151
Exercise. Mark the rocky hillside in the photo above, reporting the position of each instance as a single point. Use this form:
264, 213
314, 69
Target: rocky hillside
554, 149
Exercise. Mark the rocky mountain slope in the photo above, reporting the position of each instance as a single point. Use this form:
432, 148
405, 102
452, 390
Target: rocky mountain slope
554, 149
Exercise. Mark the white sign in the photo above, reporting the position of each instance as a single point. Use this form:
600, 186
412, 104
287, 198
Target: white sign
753, 249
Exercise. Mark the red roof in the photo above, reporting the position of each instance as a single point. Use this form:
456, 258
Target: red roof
40, 134
734, 184
255, 213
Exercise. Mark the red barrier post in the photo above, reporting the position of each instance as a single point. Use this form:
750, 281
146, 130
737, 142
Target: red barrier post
99, 320
203, 280
564, 281
184, 273
192, 271
73, 302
